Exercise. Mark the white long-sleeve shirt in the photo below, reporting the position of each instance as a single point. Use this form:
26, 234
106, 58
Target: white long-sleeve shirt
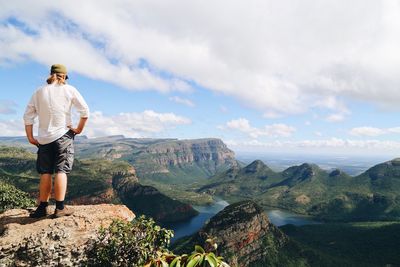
52, 104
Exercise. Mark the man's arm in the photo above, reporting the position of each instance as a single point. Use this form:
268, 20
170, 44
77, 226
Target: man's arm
80, 127
83, 109
29, 134
29, 119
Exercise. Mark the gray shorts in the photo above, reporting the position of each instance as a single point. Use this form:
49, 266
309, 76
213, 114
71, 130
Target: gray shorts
57, 156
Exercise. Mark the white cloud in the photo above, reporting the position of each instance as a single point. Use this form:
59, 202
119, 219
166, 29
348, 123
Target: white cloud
272, 115
183, 101
332, 103
144, 124
12, 128
140, 124
7, 107
303, 52
79, 55
337, 145
273, 130
335, 117
373, 131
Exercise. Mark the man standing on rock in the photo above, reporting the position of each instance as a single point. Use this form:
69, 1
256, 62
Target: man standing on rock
52, 103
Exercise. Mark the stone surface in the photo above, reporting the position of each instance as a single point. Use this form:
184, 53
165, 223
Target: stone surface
53, 242
187, 151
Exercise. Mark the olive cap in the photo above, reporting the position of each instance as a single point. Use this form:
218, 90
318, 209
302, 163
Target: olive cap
58, 68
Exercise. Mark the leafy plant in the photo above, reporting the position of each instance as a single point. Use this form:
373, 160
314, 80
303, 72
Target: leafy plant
198, 258
11, 197
143, 243
128, 244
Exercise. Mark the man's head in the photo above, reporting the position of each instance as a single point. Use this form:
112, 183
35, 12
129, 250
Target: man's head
58, 74
59, 69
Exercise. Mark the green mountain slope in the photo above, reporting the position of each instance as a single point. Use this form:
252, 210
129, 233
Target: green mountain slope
364, 244
246, 238
175, 167
95, 181
373, 195
161, 160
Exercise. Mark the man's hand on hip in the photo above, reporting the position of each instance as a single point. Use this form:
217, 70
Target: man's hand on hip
33, 141
75, 130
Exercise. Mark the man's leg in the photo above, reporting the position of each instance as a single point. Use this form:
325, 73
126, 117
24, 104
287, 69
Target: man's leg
63, 166
44, 196
45, 187
60, 188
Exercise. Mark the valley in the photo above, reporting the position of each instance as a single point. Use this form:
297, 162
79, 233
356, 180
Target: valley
186, 184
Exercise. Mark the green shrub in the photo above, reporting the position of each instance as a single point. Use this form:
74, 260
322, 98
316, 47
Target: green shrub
143, 243
198, 258
11, 197
128, 244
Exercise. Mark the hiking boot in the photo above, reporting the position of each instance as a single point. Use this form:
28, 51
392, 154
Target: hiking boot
39, 213
64, 212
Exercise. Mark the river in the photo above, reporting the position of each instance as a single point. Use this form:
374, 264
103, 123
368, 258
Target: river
276, 216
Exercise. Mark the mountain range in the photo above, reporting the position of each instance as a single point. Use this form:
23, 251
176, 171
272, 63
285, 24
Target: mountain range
195, 171
178, 173
173, 166
96, 181
307, 189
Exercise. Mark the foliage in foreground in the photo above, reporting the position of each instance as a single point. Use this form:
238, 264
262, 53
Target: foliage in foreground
143, 243
12, 198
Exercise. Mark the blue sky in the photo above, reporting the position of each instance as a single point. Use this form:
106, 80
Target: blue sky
264, 76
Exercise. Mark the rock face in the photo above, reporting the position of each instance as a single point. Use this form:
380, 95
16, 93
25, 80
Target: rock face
244, 234
188, 151
53, 242
155, 158
151, 202
183, 160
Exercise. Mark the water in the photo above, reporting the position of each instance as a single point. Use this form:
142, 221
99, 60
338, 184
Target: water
276, 216
282, 217
194, 224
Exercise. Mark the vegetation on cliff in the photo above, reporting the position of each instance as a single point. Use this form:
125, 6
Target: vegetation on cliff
307, 189
364, 244
11, 197
94, 181
143, 243
247, 238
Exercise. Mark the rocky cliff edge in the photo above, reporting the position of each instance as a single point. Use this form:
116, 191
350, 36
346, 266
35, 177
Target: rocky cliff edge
53, 242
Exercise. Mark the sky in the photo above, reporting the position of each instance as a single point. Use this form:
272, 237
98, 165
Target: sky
264, 76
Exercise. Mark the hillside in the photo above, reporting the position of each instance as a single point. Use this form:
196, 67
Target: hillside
95, 181
307, 189
364, 244
175, 167
164, 160
246, 238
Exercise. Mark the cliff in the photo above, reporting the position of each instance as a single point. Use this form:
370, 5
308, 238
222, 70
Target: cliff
149, 201
246, 238
163, 159
53, 242
96, 181
183, 160
188, 151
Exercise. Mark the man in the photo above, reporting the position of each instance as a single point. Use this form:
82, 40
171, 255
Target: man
52, 104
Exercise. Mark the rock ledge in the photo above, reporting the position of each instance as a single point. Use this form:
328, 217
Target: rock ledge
53, 242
